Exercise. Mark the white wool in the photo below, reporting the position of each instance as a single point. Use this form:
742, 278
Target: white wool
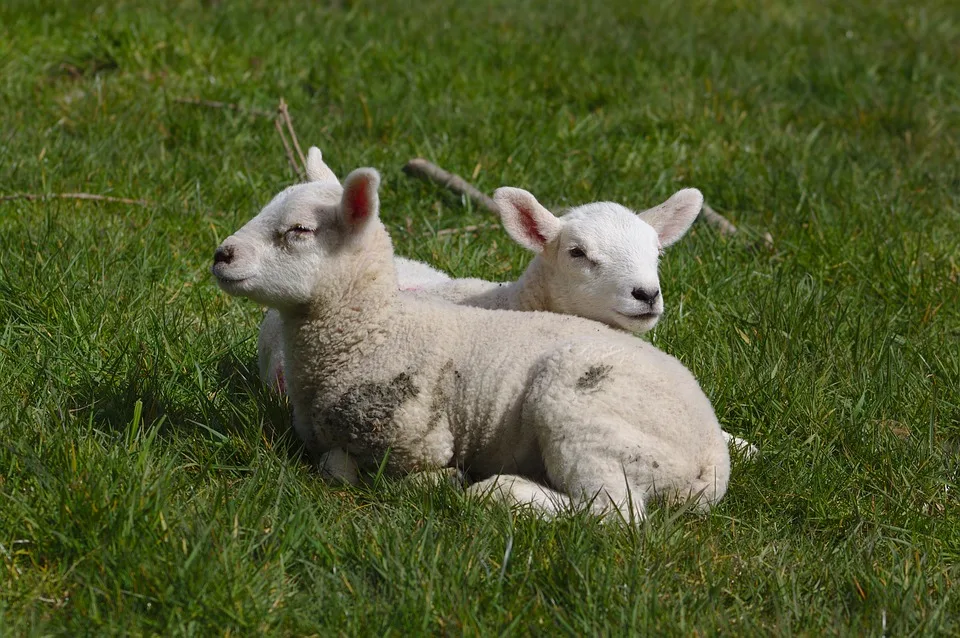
598, 261
598, 416
412, 275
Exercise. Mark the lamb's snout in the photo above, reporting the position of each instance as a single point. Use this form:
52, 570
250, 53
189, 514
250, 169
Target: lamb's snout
232, 263
646, 294
223, 255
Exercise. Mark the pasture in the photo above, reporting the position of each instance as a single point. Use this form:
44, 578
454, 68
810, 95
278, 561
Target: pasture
148, 485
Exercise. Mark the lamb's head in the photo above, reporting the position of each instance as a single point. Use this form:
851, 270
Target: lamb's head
600, 260
309, 242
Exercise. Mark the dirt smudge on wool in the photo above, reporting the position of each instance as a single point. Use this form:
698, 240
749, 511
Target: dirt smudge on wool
593, 377
364, 414
441, 396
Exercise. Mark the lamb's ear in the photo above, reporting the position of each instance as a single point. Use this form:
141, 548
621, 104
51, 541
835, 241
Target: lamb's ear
530, 224
317, 169
673, 218
360, 202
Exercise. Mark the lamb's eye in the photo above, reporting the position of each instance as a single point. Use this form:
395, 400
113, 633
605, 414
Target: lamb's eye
299, 231
576, 252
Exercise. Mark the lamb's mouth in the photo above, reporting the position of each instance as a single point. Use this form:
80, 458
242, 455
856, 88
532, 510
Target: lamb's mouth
640, 316
224, 278
231, 284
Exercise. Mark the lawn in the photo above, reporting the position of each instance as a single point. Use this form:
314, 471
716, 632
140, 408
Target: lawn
148, 485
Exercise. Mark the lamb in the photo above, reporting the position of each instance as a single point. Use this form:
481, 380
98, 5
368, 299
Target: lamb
597, 261
605, 420
412, 274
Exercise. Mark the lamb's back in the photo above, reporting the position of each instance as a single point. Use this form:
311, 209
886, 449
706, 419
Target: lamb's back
501, 354
471, 292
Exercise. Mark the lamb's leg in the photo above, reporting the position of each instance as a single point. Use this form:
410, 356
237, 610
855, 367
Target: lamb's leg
746, 449
270, 352
617, 475
517, 490
593, 463
337, 466
599, 480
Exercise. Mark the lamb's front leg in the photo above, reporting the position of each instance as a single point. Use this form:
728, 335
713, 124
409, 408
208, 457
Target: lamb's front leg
337, 466
517, 490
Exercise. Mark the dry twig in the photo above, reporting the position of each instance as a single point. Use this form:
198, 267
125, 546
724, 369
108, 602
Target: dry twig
222, 105
465, 229
427, 170
417, 167
285, 114
83, 196
286, 147
714, 218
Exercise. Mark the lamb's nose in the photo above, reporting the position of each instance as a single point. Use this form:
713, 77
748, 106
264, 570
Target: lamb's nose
224, 255
645, 295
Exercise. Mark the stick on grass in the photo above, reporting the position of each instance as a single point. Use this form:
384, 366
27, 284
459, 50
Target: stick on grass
80, 196
423, 169
213, 104
714, 218
286, 147
465, 229
285, 115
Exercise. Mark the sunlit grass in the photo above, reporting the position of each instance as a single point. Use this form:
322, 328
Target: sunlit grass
149, 485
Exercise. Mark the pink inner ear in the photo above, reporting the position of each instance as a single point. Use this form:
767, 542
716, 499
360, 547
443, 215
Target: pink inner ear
358, 204
530, 226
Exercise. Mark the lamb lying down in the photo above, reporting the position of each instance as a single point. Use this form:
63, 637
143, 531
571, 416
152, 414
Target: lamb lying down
598, 261
605, 420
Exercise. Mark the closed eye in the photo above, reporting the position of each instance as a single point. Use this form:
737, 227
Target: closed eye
299, 230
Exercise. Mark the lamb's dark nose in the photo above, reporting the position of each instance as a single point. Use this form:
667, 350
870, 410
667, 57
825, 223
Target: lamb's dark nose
645, 295
224, 255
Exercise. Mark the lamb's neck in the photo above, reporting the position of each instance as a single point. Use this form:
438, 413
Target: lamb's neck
529, 292
339, 326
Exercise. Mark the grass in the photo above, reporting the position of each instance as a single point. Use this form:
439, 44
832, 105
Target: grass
149, 486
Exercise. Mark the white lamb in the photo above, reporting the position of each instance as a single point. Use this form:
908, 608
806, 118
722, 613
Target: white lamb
603, 418
412, 275
597, 261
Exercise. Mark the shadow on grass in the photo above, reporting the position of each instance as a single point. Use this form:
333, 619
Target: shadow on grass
234, 406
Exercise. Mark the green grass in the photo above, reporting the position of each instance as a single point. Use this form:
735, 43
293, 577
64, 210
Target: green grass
148, 485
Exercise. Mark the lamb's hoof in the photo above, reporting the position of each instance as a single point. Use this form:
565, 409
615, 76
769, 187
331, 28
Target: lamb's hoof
745, 449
